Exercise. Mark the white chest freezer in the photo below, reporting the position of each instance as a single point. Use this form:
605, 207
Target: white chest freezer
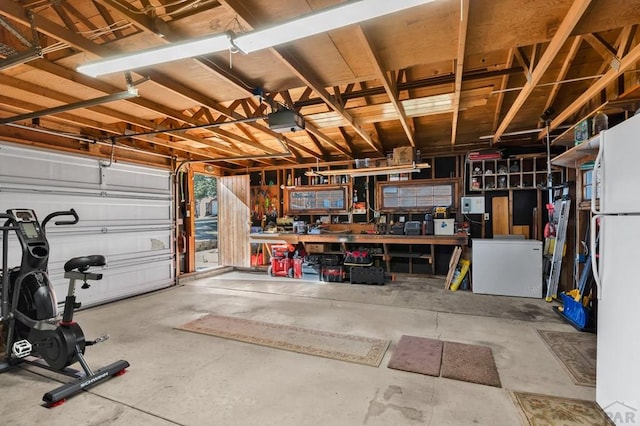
507, 267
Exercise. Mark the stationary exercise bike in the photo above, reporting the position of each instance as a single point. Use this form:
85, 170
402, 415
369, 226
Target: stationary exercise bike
30, 328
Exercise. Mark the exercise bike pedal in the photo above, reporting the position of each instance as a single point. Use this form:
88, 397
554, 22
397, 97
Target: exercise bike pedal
97, 340
21, 349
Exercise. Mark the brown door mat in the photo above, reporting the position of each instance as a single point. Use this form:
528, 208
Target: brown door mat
470, 363
417, 355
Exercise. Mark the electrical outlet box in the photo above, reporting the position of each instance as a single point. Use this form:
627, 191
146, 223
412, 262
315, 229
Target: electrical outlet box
472, 205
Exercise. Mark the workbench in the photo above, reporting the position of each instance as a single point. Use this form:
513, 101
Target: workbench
386, 241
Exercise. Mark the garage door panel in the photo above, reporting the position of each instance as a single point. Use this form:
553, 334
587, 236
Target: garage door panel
125, 214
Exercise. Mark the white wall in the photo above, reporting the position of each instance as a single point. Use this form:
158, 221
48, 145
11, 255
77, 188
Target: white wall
125, 214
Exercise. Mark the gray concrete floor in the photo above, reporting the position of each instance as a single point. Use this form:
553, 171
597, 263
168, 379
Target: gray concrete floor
183, 378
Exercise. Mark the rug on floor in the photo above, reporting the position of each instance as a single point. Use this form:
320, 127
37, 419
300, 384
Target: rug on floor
344, 347
576, 352
417, 355
470, 363
545, 410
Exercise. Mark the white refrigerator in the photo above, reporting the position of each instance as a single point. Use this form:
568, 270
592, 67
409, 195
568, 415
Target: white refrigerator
616, 271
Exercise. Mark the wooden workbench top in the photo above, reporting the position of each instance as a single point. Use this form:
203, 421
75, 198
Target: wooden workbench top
457, 239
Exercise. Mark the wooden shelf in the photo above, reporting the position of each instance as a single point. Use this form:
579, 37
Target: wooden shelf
574, 156
371, 171
627, 102
509, 174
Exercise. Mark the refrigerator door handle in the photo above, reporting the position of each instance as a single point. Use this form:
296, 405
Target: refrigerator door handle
592, 254
596, 168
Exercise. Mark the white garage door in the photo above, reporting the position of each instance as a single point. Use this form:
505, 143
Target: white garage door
125, 214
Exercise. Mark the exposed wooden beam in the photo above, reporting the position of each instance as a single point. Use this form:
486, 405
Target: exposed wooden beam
462, 40
109, 112
604, 49
316, 142
347, 139
309, 80
503, 85
388, 83
626, 62
566, 65
104, 12
214, 150
326, 139
577, 9
522, 59
304, 74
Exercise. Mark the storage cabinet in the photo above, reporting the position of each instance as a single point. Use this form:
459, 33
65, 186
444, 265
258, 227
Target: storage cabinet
510, 173
325, 199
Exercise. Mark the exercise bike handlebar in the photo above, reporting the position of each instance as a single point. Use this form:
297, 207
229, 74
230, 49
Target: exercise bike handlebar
9, 223
71, 212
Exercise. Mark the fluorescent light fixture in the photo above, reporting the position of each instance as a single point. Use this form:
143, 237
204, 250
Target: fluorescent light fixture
371, 171
317, 22
157, 55
321, 21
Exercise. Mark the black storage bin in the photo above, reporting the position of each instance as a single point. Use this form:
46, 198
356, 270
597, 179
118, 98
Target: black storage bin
366, 275
332, 274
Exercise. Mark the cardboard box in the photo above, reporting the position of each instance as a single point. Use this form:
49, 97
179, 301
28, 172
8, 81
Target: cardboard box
403, 155
444, 226
314, 248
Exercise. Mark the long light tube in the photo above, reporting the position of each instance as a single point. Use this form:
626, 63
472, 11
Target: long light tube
157, 55
321, 21
307, 25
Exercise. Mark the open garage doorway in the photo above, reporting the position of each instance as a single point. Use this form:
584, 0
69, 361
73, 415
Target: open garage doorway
205, 189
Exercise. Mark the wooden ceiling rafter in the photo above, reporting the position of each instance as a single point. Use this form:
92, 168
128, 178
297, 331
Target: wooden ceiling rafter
368, 101
68, 99
113, 130
571, 19
150, 26
315, 135
346, 138
310, 128
55, 31
104, 12
58, 6
459, 69
564, 70
389, 84
522, 59
626, 62
338, 96
604, 49
307, 77
318, 145
504, 83
84, 20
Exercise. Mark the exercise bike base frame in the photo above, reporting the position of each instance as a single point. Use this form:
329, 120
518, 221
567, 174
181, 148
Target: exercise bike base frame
72, 388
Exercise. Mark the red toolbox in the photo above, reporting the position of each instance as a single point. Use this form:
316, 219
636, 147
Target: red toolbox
281, 267
297, 267
282, 250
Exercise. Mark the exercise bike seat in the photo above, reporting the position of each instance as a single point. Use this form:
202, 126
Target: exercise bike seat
83, 263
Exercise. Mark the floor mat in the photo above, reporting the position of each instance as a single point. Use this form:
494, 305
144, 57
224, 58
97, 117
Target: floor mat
544, 410
470, 363
344, 347
576, 352
417, 355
